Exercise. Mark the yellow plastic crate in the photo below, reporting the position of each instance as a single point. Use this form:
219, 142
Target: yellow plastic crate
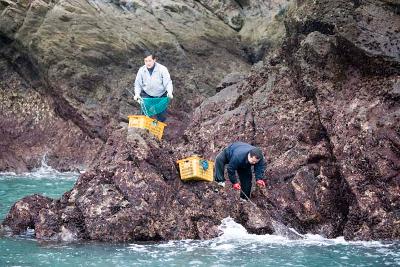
196, 169
152, 125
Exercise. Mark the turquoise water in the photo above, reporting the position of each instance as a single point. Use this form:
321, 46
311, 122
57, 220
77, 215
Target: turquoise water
234, 248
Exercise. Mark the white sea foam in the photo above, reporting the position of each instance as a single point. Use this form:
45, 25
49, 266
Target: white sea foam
235, 236
138, 247
43, 172
236, 233
195, 262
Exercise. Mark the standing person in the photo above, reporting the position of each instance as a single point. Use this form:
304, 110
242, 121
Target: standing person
240, 157
153, 81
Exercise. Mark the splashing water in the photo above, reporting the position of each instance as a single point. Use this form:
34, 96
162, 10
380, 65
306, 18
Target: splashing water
43, 172
235, 247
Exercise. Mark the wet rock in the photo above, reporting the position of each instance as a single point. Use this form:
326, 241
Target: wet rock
24, 213
326, 120
32, 130
207, 230
354, 136
363, 129
365, 157
256, 220
133, 192
48, 224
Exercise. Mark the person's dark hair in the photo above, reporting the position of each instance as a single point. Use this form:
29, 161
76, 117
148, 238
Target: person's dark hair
256, 152
150, 53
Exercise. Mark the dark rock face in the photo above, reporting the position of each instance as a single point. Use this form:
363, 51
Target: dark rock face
327, 120
364, 131
259, 23
324, 109
31, 129
77, 59
303, 177
25, 213
135, 194
366, 32
350, 74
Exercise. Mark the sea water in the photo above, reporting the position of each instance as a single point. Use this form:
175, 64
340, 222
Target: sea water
235, 247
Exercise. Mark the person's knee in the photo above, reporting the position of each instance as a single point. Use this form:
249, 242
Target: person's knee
219, 173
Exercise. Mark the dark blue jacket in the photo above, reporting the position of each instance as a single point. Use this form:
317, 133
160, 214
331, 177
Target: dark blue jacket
236, 155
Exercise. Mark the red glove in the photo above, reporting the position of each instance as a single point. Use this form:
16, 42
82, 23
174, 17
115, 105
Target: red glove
236, 186
261, 183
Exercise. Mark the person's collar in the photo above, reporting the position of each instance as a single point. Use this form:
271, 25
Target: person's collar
155, 66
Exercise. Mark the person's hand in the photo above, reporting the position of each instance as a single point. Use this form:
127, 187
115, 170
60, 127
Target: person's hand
261, 183
169, 95
236, 186
137, 98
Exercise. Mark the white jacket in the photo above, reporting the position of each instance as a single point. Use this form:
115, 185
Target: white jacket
155, 84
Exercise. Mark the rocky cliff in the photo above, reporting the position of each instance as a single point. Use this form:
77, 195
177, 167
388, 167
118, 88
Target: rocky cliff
326, 111
75, 60
324, 107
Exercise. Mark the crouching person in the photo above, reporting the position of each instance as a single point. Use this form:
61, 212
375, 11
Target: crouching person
240, 157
